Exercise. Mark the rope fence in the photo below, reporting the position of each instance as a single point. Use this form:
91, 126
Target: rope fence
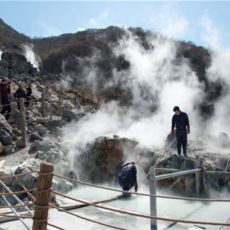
101, 206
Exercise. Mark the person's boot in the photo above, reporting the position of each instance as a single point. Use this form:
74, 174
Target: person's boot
184, 150
179, 150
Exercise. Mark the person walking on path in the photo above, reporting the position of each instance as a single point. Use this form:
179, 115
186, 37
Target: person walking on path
5, 91
181, 121
28, 95
20, 93
128, 177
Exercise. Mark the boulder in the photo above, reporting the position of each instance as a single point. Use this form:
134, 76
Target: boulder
4, 125
57, 131
35, 135
17, 62
53, 123
40, 145
6, 56
8, 149
5, 137
6, 172
2, 71
40, 129
41, 121
16, 116
1, 148
224, 140
64, 186
4, 64
32, 164
29, 180
69, 116
29, 114
41, 155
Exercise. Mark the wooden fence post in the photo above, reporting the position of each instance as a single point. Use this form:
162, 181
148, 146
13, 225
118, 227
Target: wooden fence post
43, 104
43, 198
51, 112
23, 121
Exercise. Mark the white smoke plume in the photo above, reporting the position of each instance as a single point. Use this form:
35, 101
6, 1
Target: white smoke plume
1, 54
154, 73
31, 56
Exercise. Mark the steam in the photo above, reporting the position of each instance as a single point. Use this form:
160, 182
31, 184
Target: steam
31, 56
1, 54
219, 71
153, 80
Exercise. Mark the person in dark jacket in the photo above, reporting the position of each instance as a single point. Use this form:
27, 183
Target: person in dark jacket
5, 91
181, 121
128, 177
28, 94
20, 93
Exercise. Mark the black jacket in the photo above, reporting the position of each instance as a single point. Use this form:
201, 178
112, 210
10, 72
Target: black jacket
20, 93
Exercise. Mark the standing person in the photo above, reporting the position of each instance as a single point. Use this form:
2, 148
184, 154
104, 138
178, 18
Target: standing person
47, 92
20, 93
5, 91
28, 94
180, 119
128, 177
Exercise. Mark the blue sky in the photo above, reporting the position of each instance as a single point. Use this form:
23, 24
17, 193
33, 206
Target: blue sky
205, 23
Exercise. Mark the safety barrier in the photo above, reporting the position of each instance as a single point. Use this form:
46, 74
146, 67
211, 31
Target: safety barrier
40, 218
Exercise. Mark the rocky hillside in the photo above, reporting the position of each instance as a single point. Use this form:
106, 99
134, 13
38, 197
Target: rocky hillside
72, 54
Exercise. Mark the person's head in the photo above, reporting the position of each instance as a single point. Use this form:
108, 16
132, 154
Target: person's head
176, 110
29, 85
4, 80
20, 86
47, 87
132, 162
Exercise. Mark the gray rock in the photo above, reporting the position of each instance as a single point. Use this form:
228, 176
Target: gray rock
224, 140
17, 62
32, 164
5, 137
4, 64
40, 145
4, 125
64, 186
35, 135
41, 155
70, 116
41, 130
6, 172
2, 71
41, 121
1, 148
30, 128
6, 56
53, 123
29, 180
29, 114
57, 131
16, 116
8, 149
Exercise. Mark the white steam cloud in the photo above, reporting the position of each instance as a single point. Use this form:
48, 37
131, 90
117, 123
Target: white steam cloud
153, 79
1, 54
31, 56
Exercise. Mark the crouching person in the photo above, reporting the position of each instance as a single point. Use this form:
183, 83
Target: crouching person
128, 177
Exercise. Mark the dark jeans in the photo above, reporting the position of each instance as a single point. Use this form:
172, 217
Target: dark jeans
6, 108
18, 105
126, 185
181, 135
28, 102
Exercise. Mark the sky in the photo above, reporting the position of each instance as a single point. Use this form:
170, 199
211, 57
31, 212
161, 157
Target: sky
205, 23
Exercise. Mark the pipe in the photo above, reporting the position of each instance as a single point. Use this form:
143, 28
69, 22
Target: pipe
165, 176
13, 210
